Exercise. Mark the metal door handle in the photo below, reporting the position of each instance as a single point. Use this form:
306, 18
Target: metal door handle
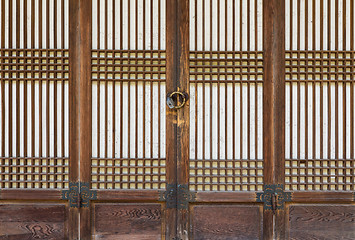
172, 99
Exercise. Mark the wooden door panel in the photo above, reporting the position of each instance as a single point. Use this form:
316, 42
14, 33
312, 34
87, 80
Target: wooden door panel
316, 221
226, 88
319, 101
35, 166
226, 68
33, 221
127, 221
319, 123
226, 221
128, 88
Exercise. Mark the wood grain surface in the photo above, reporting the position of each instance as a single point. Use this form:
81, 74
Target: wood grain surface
32, 221
127, 221
322, 222
226, 222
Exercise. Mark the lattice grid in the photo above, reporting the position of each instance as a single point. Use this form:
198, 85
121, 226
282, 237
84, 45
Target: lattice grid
128, 82
34, 88
320, 77
226, 87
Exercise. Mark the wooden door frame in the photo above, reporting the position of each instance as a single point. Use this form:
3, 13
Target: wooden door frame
80, 126
274, 109
273, 104
81, 118
177, 121
177, 130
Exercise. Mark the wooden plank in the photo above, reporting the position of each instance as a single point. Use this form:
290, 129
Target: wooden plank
171, 115
36, 221
322, 197
128, 195
232, 197
183, 118
321, 221
274, 107
80, 95
74, 121
227, 222
30, 194
127, 221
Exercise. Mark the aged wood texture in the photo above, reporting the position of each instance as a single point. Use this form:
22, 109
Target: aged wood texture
136, 195
130, 72
127, 221
84, 116
321, 221
225, 197
274, 108
171, 115
74, 99
226, 222
177, 120
183, 117
44, 221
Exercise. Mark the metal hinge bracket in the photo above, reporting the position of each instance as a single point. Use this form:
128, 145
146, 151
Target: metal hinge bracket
79, 194
274, 197
177, 196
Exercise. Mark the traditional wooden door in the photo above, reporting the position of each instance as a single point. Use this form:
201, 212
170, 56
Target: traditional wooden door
36, 169
319, 106
181, 119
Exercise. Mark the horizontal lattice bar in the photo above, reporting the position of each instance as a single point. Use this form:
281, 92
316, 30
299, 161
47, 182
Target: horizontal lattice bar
325, 66
34, 64
226, 66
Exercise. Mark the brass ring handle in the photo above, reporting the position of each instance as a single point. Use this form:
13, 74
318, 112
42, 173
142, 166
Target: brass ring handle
170, 99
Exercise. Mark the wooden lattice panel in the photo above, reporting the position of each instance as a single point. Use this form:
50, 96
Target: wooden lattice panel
320, 76
128, 84
226, 87
34, 78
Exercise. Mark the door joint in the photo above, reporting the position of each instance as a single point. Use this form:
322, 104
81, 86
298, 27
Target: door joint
177, 196
274, 197
79, 194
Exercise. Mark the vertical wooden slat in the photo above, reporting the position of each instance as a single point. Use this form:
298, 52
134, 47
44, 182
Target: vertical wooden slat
113, 83
17, 86
159, 76
151, 82
256, 84
274, 106
121, 90
62, 74
105, 85
2, 81
10, 122
352, 39
55, 85
40, 44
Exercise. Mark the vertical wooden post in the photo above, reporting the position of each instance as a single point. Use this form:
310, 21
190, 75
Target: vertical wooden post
274, 108
178, 119
80, 101
171, 115
183, 120
74, 53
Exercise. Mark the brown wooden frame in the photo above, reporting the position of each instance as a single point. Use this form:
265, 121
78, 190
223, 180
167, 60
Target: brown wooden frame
177, 221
